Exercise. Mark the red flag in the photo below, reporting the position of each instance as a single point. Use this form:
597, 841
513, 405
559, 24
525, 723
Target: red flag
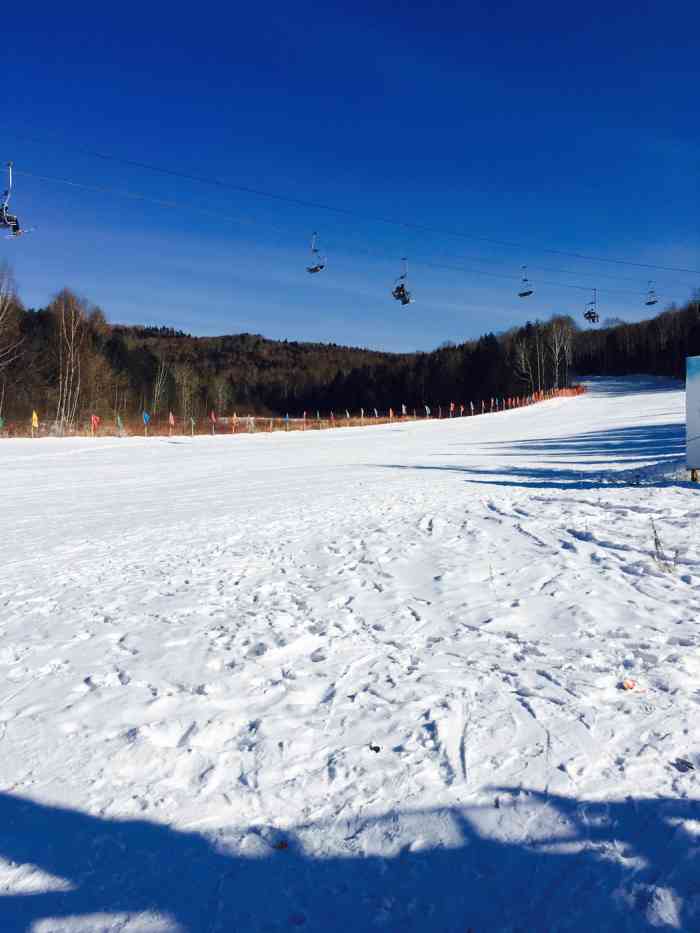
212, 416
171, 420
95, 422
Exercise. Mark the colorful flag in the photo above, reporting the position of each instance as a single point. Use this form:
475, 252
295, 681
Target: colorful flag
120, 424
35, 420
146, 417
94, 422
171, 420
212, 416
2, 422
403, 410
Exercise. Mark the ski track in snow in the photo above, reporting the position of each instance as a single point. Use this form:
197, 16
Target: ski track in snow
365, 678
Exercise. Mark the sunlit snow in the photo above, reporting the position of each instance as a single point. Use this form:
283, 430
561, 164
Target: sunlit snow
368, 678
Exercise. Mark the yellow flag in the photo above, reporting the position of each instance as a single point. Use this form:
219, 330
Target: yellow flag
35, 420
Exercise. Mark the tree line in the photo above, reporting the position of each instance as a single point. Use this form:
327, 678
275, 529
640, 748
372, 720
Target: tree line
68, 362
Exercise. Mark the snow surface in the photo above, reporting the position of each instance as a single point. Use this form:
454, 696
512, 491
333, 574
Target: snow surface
363, 679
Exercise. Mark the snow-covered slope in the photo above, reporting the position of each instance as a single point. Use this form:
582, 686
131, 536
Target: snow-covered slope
361, 679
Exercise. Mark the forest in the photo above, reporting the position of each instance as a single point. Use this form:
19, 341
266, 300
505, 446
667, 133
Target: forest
67, 361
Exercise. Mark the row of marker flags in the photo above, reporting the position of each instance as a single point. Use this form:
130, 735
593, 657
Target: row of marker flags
454, 410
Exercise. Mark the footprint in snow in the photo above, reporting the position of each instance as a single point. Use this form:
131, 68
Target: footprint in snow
683, 765
257, 650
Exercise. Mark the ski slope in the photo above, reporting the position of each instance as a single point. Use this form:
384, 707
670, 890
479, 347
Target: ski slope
362, 679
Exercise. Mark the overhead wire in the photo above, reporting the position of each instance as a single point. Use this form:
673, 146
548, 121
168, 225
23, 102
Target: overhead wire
315, 205
178, 205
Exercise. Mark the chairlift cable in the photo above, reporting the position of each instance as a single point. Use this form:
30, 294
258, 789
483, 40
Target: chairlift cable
245, 221
315, 205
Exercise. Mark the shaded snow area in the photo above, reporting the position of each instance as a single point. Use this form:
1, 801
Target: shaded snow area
365, 679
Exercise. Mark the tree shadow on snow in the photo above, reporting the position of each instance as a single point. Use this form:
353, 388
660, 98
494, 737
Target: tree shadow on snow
626, 866
614, 445
620, 386
638, 448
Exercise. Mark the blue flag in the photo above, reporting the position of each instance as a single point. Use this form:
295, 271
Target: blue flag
146, 417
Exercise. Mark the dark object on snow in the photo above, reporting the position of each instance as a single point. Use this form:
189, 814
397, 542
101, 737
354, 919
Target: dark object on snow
683, 765
374, 748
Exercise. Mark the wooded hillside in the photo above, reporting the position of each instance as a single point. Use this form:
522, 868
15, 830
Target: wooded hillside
67, 361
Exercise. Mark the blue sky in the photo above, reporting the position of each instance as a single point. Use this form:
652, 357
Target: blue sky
556, 128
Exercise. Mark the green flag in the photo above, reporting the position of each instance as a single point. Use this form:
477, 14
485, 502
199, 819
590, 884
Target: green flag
120, 425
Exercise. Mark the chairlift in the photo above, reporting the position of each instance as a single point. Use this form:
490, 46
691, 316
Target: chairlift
7, 220
651, 298
526, 288
318, 262
399, 291
591, 312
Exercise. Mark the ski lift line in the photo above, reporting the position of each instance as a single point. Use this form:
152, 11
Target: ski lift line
511, 278
603, 275
244, 189
246, 221
467, 270
249, 221
159, 202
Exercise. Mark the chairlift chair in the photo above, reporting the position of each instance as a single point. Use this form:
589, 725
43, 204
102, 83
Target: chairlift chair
591, 312
318, 262
651, 298
399, 291
526, 288
8, 220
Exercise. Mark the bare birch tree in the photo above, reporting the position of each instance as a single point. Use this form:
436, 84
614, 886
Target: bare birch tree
559, 336
222, 390
9, 339
186, 382
523, 364
162, 373
70, 320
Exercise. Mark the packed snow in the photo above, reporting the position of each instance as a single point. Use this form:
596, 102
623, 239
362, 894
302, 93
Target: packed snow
362, 679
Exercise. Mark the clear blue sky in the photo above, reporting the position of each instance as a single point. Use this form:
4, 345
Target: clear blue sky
544, 124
